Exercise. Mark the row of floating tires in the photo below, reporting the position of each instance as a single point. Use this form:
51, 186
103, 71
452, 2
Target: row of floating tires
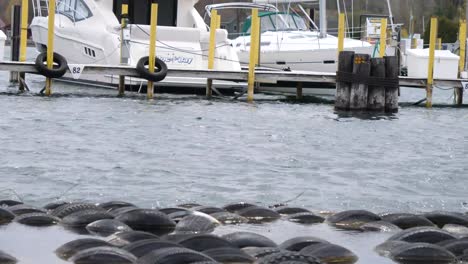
60, 67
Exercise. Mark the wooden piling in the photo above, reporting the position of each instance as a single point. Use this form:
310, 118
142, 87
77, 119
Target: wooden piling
376, 95
430, 74
123, 60
212, 50
359, 90
254, 50
50, 45
392, 71
15, 39
152, 48
458, 92
299, 87
343, 89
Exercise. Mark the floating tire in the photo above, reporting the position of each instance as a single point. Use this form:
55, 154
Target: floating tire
159, 73
59, 68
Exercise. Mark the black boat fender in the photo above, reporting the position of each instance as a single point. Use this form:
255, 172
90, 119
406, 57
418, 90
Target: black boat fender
59, 68
159, 73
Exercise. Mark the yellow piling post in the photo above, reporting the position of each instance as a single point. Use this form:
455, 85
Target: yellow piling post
341, 32
254, 46
414, 43
461, 65
439, 44
383, 37
152, 48
218, 20
123, 24
462, 39
430, 73
24, 29
212, 49
50, 45
24, 37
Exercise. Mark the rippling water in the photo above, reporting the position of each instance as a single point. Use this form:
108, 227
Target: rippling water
88, 144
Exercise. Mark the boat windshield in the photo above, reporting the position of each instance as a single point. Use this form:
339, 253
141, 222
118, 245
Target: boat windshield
281, 22
288, 22
75, 10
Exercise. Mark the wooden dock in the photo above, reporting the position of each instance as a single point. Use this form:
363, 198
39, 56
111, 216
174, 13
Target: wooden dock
261, 76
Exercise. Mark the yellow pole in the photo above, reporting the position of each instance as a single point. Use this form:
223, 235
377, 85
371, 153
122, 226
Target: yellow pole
152, 49
439, 44
218, 19
462, 38
50, 44
24, 29
341, 32
430, 73
254, 45
383, 37
123, 24
212, 49
414, 43
24, 39
461, 66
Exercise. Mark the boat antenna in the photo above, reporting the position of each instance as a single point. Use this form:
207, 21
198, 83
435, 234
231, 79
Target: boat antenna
323, 18
390, 15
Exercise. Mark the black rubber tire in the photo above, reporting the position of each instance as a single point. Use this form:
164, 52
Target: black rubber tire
57, 71
159, 73
288, 257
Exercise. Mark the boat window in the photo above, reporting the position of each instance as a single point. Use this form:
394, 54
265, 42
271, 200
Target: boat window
266, 24
300, 23
75, 10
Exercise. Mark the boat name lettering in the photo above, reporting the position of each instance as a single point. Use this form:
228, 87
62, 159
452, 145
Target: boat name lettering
177, 59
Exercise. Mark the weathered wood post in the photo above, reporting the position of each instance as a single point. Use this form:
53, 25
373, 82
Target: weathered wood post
392, 71
376, 95
343, 89
359, 89
15, 39
299, 87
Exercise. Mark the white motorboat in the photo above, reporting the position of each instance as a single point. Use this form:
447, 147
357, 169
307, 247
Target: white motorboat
89, 32
2, 45
288, 42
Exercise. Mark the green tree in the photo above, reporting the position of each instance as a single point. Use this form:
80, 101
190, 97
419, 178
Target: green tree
448, 30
